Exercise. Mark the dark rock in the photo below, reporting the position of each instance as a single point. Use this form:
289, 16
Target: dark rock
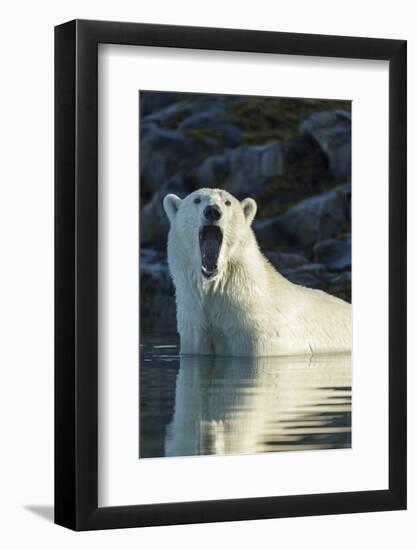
162, 152
169, 116
336, 279
341, 286
312, 220
245, 171
301, 278
282, 260
154, 224
252, 166
201, 118
319, 217
155, 101
273, 159
210, 125
332, 131
154, 273
316, 276
213, 171
157, 301
150, 255
316, 269
310, 275
270, 233
334, 254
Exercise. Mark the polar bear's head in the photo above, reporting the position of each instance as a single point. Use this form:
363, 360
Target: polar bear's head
211, 225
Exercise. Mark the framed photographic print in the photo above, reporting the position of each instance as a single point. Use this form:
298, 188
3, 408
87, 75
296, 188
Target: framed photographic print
230, 275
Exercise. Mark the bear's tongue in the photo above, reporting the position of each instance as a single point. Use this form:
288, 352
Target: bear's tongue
210, 238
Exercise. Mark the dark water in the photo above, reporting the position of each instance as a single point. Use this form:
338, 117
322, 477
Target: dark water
199, 405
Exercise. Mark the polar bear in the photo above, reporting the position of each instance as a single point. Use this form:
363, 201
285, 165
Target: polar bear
230, 300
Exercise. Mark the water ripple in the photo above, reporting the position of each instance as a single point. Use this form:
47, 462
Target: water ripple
198, 405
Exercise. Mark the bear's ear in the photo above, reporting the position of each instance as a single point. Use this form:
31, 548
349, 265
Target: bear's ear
171, 205
249, 209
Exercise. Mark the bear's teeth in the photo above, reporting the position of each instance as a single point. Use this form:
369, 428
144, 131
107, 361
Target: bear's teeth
208, 273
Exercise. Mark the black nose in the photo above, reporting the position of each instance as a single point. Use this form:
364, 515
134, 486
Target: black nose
212, 213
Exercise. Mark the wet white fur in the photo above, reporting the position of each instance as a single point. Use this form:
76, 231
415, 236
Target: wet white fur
248, 308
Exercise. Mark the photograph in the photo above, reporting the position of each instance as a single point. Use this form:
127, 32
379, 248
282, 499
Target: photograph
208, 235
245, 274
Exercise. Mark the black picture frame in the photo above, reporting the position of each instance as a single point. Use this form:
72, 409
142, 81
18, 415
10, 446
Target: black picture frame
76, 272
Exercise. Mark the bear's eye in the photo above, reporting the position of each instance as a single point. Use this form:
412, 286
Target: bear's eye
197, 200
227, 203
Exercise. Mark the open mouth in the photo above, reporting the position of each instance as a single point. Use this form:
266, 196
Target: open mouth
210, 238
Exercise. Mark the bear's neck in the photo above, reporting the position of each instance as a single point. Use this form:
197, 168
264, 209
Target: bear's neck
246, 270
248, 265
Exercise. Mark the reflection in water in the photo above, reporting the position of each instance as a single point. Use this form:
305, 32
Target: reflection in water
196, 405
